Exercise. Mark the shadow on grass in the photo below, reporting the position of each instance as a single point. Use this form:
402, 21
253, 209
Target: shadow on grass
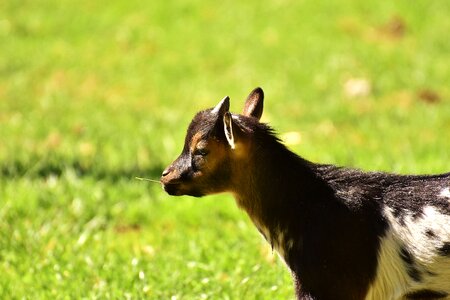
45, 168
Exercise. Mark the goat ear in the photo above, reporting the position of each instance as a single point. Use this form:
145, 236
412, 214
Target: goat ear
222, 107
254, 104
228, 128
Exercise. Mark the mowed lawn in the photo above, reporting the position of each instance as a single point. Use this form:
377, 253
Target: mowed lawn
93, 95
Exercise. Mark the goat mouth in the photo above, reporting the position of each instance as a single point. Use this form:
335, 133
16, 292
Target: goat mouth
172, 189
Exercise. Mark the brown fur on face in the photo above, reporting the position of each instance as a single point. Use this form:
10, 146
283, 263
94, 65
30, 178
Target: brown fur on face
203, 166
216, 146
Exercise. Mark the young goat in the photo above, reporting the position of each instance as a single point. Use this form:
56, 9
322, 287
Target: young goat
344, 233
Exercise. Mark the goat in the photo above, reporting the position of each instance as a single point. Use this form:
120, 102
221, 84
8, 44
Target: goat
343, 233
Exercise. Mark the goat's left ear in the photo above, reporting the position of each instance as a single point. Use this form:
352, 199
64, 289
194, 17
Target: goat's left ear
254, 104
228, 128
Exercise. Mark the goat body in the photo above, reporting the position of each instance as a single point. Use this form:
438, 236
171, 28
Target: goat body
344, 233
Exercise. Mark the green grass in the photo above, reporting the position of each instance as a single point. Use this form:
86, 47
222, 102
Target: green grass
93, 95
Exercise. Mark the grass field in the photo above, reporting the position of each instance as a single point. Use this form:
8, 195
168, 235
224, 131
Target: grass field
92, 95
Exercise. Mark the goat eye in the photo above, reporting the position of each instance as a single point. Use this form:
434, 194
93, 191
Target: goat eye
201, 152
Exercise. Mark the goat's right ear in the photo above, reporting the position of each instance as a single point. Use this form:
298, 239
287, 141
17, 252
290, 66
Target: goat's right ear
228, 129
254, 104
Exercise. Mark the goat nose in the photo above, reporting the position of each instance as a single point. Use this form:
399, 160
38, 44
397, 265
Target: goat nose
166, 172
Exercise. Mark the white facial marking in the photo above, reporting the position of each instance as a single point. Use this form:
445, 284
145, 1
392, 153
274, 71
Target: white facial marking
445, 193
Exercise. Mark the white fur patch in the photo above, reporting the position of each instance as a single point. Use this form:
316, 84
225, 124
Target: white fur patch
445, 193
392, 280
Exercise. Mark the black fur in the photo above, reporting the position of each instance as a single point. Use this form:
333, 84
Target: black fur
444, 250
335, 223
410, 265
426, 294
334, 215
430, 233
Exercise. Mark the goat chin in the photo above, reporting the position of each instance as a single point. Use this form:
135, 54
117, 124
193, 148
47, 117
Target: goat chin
176, 190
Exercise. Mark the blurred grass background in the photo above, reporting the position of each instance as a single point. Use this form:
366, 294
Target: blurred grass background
93, 94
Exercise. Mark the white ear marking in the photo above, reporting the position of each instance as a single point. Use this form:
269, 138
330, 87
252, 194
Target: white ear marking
228, 129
